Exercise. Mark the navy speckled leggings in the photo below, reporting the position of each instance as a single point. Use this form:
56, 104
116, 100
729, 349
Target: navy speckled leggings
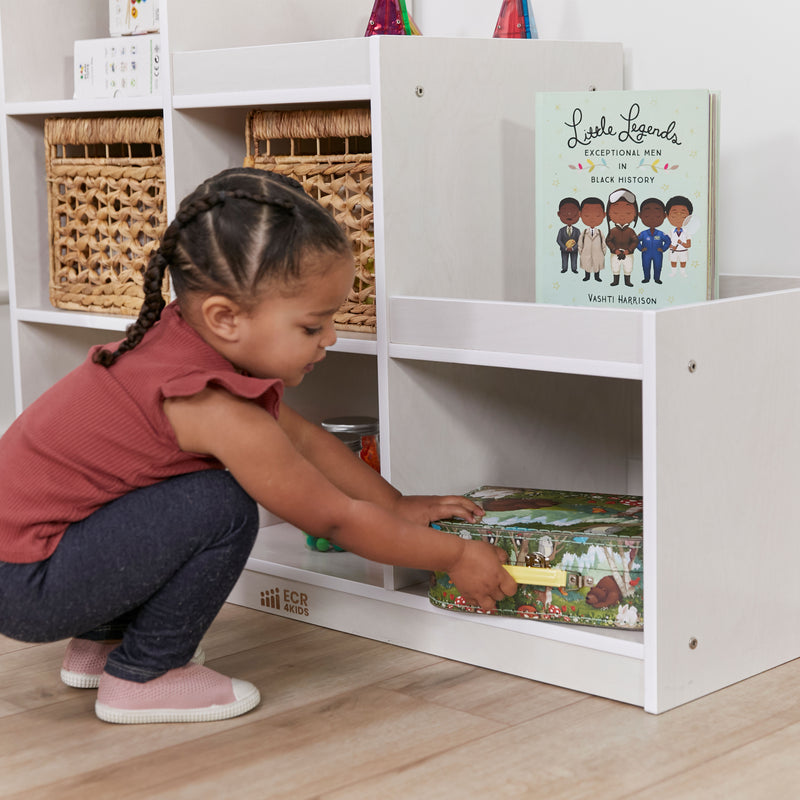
155, 565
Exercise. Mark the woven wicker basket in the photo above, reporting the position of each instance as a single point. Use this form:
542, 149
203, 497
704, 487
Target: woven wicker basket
329, 153
106, 210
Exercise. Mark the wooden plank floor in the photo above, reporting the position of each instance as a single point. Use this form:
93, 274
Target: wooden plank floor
345, 718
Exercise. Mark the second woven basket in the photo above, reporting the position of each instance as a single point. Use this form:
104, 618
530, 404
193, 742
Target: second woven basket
329, 153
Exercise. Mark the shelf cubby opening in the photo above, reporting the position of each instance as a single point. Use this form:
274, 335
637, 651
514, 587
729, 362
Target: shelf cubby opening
464, 426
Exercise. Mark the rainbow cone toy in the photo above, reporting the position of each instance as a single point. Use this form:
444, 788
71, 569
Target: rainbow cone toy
391, 17
515, 21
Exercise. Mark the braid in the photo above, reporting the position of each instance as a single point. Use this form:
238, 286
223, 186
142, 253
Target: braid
195, 261
149, 313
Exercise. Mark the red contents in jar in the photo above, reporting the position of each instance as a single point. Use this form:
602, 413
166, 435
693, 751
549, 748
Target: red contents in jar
369, 452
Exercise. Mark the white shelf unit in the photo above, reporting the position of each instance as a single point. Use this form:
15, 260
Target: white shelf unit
473, 382
453, 178
45, 343
692, 406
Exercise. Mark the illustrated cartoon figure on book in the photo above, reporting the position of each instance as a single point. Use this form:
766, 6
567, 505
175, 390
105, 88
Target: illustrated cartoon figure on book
621, 240
591, 242
653, 242
569, 212
679, 214
597, 154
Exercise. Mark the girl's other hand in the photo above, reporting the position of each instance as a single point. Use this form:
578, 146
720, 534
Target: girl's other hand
424, 509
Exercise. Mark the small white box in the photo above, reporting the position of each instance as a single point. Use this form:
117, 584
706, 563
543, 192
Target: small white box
126, 17
118, 67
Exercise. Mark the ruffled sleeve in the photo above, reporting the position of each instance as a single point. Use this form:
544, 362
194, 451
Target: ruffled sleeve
267, 392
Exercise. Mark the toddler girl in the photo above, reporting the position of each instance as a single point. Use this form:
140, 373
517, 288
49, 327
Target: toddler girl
128, 490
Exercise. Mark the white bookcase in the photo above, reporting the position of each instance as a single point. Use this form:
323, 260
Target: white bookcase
6, 372
473, 382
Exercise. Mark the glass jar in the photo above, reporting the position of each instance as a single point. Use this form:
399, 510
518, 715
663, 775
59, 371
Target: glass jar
360, 434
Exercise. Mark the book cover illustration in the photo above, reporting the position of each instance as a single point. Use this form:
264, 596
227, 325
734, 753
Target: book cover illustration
625, 198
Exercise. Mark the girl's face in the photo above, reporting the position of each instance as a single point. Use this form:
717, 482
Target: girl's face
285, 336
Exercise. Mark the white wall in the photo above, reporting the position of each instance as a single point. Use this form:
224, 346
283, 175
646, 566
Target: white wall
743, 51
747, 52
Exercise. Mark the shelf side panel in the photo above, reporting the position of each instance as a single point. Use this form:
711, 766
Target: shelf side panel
457, 158
342, 385
205, 142
54, 352
725, 453
6, 369
28, 232
6, 358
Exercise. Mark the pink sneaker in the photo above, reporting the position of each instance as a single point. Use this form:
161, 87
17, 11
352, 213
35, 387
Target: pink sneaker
188, 694
84, 661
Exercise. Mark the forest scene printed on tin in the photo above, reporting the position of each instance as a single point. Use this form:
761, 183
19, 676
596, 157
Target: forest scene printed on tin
595, 539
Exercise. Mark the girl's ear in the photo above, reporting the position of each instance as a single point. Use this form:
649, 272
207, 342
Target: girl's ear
221, 316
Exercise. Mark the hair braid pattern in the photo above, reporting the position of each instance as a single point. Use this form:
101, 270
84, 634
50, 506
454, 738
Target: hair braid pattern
235, 233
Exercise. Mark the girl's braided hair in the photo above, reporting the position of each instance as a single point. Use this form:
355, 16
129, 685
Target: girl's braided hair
237, 231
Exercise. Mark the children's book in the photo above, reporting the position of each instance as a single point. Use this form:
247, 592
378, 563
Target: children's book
626, 197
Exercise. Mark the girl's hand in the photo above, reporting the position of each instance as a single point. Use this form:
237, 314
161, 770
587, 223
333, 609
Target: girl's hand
479, 576
424, 509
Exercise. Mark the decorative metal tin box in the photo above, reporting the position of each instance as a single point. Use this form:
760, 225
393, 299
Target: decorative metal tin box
584, 550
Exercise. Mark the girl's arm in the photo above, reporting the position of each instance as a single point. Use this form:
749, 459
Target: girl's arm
272, 470
358, 480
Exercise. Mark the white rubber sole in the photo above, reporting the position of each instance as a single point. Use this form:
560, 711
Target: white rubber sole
86, 680
250, 698
80, 680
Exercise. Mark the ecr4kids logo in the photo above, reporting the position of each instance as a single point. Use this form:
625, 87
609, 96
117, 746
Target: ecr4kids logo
288, 600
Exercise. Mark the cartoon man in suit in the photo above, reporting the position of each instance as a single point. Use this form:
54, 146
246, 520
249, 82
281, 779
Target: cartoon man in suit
569, 212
